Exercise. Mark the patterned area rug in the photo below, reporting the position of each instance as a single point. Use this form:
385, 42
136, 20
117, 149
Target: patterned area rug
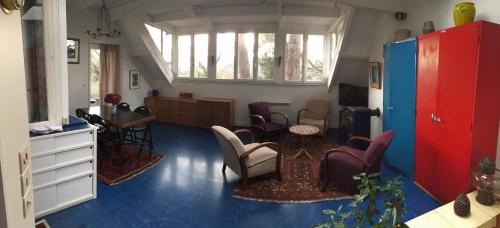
110, 172
300, 177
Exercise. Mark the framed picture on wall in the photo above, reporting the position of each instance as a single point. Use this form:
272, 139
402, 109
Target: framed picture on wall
375, 76
134, 79
73, 48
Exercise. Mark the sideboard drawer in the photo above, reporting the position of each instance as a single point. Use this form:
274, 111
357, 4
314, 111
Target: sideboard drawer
42, 145
73, 139
75, 154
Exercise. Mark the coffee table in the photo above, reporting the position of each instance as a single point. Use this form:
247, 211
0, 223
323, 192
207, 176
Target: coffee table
304, 131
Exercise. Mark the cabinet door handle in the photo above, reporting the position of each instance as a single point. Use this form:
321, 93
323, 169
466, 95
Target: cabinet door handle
436, 118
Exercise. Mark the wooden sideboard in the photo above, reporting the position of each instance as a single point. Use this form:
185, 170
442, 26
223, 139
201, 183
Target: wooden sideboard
204, 112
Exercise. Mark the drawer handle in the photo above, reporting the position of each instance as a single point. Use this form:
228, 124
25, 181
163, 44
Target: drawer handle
91, 162
91, 147
90, 175
91, 132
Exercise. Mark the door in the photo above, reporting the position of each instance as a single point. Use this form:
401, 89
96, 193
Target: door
455, 100
399, 103
425, 130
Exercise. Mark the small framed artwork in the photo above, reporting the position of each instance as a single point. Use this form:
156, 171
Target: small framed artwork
375, 76
134, 79
73, 48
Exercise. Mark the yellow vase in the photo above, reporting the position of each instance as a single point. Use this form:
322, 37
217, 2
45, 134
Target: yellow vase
464, 13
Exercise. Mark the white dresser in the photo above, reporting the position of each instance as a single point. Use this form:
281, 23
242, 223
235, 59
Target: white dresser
64, 169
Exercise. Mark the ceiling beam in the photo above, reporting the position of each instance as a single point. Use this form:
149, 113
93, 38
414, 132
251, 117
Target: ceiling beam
391, 6
207, 13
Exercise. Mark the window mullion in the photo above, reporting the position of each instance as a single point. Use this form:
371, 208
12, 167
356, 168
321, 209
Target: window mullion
255, 56
304, 57
192, 57
236, 40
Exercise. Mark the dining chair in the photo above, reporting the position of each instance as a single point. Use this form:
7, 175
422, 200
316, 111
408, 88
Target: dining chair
262, 123
147, 137
82, 114
125, 107
250, 160
105, 137
342, 163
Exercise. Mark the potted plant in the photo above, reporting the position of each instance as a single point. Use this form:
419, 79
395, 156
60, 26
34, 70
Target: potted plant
364, 211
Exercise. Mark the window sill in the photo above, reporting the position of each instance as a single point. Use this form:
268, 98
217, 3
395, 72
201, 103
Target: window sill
249, 82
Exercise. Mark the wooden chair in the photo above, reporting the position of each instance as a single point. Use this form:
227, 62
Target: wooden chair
147, 137
125, 107
250, 160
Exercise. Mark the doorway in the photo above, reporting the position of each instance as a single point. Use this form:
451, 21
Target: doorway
95, 75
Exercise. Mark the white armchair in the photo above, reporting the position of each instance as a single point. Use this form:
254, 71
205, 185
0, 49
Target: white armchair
248, 160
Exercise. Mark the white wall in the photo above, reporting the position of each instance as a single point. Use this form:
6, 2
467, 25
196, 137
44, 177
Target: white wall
13, 122
385, 27
441, 13
247, 93
79, 21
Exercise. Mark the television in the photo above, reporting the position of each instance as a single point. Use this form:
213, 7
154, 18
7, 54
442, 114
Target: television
350, 95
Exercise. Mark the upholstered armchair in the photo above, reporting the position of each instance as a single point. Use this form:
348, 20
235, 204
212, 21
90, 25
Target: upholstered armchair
250, 160
316, 113
261, 121
340, 164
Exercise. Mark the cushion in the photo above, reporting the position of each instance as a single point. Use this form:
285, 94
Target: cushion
313, 122
345, 160
231, 137
260, 108
260, 155
317, 106
378, 146
271, 126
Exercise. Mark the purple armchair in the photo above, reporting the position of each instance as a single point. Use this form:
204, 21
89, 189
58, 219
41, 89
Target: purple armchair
261, 124
340, 164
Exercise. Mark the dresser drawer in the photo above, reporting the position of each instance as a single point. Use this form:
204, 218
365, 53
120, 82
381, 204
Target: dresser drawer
42, 145
75, 154
45, 199
43, 178
43, 162
73, 139
73, 170
76, 189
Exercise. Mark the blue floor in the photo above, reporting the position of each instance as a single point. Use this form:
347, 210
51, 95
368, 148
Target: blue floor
187, 189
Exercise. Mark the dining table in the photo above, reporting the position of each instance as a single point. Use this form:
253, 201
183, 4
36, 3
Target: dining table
124, 121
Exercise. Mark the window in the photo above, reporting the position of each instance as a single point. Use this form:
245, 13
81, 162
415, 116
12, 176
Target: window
155, 34
333, 47
162, 41
265, 55
294, 57
166, 49
95, 75
201, 56
245, 55
36, 81
315, 57
184, 56
304, 56
225, 55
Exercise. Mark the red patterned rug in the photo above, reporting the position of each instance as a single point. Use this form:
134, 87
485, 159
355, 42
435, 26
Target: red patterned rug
110, 172
300, 177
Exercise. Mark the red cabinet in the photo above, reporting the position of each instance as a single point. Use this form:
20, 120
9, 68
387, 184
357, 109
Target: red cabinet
458, 106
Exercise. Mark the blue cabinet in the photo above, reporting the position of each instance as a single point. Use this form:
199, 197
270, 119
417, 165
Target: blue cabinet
399, 103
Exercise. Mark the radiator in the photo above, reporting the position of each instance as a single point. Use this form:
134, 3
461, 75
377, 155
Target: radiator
280, 106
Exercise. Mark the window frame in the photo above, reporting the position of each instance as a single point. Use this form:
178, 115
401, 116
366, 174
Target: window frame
175, 56
305, 37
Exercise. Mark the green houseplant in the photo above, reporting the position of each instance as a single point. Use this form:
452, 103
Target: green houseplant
364, 211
